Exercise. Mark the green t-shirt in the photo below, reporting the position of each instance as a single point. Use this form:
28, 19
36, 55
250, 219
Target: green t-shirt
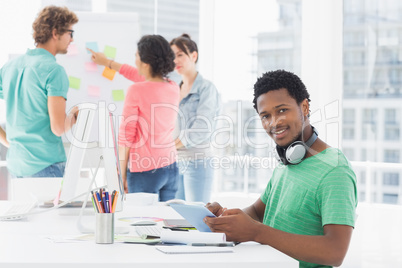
301, 199
25, 84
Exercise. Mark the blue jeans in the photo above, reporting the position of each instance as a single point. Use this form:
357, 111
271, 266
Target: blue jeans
195, 180
54, 170
162, 181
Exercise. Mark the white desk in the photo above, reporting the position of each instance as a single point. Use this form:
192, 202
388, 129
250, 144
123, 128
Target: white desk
25, 244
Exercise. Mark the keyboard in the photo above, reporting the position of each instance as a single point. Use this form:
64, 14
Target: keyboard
149, 231
15, 210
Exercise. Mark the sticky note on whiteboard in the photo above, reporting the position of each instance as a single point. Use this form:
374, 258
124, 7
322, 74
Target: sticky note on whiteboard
118, 95
93, 46
91, 66
93, 91
110, 52
75, 82
72, 50
108, 73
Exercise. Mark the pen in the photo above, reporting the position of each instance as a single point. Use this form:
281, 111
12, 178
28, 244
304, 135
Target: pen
101, 210
221, 244
104, 202
94, 203
112, 199
107, 205
114, 202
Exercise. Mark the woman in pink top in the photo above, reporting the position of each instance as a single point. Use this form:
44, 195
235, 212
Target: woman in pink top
146, 145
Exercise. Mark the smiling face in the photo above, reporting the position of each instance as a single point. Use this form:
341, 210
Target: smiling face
282, 118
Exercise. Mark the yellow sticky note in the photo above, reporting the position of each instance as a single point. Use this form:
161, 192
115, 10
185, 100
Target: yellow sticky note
110, 52
108, 73
74, 82
118, 95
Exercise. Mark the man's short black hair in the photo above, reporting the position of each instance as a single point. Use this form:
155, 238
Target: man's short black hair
275, 80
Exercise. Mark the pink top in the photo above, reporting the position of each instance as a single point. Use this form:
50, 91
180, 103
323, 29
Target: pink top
149, 115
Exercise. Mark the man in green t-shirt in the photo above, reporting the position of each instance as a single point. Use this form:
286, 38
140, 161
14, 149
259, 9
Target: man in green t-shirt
34, 88
308, 208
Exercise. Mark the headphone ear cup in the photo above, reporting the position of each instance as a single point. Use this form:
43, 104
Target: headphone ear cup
280, 155
295, 153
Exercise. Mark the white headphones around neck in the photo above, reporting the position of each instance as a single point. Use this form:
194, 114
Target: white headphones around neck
296, 151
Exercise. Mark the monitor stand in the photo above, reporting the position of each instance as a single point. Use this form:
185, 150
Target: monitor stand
80, 225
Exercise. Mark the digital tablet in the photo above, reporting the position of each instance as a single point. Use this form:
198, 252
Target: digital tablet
194, 215
177, 223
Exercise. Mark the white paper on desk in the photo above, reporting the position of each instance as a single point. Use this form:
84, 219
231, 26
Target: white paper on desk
191, 249
188, 237
71, 239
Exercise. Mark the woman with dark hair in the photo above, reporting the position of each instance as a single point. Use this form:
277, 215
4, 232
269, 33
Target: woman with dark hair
146, 145
199, 105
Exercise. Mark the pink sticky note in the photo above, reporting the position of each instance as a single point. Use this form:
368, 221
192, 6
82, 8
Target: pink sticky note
94, 91
72, 50
91, 67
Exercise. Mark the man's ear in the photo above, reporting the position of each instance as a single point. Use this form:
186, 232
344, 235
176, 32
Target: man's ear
54, 34
305, 106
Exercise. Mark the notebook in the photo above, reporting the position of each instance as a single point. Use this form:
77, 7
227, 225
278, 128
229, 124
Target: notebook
193, 250
15, 210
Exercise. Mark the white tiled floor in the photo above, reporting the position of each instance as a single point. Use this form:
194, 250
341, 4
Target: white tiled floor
376, 240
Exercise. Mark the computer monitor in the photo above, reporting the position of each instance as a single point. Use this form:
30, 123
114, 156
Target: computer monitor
80, 143
110, 153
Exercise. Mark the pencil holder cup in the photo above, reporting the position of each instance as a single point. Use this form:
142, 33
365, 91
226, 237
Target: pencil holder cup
104, 229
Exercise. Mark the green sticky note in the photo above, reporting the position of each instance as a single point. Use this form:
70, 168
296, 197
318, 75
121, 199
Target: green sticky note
110, 52
118, 95
74, 82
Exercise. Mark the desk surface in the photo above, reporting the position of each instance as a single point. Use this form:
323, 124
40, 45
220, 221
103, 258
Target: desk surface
26, 243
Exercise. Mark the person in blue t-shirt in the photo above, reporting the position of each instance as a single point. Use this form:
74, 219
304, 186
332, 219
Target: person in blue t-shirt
34, 88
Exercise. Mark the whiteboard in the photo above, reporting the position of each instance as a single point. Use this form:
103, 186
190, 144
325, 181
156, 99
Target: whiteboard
116, 31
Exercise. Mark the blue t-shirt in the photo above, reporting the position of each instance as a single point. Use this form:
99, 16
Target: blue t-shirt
25, 84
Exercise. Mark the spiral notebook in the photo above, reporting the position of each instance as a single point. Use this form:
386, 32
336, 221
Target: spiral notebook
193, 250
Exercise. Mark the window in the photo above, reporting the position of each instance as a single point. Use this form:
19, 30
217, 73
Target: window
368, 155
174, 17
373, 74
348, 116
391, 133
391, 179
390, 198
362, 178
349, 153
392, 116
369, 127
348, 133
362, 196
391, 156
369, 116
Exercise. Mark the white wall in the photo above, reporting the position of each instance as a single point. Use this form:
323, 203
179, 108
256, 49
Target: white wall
16, 19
